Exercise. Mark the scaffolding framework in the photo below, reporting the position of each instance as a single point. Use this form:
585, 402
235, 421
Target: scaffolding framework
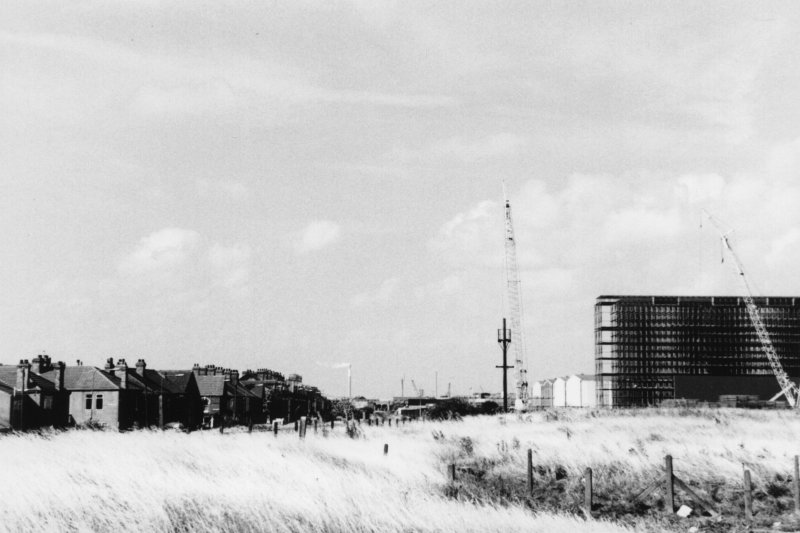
644, 345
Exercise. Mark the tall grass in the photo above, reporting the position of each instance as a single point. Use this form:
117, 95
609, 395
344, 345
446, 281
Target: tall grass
205, 481
239, 481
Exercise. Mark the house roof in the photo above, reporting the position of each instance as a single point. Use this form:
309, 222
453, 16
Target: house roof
8, 378
211, 385
85, 378
180, 380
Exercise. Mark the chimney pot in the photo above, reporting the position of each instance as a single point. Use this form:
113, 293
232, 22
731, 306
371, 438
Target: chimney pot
23, 375
59, 381
121, 373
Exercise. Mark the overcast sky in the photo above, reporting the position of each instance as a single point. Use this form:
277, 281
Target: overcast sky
293, 185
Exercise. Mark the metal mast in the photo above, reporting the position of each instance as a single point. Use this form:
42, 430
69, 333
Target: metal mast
788, 387
514, 290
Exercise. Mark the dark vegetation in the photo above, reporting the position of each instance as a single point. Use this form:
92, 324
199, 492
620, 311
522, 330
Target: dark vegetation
456, 408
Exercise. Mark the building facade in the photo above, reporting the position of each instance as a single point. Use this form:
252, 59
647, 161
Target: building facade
654, 348
560, 392
581, 391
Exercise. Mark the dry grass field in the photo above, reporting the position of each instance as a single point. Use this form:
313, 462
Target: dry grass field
239, 481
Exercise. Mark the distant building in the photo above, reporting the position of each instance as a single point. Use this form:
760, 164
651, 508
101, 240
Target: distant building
654, 348
28, 399
225, 400
547, 393
581, 391
560, 392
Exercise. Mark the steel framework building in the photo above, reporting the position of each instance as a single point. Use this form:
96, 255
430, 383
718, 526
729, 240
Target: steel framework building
653, 348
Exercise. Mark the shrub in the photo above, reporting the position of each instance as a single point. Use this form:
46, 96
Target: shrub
450, 408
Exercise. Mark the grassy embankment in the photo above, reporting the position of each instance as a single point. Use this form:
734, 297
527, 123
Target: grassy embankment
204, 481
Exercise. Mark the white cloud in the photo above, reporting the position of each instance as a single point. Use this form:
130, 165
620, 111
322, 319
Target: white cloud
317, 235
468, 236
231, 266
641, 223
381, 295
701, 187
160, 251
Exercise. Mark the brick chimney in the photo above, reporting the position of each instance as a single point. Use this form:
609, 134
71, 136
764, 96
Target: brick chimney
140, 367
121, 373
109, 364
23, 374
59, 380
234, 377
196, 370
38, 364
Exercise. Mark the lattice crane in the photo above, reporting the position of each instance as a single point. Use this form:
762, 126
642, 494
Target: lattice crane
788, 387
515, 310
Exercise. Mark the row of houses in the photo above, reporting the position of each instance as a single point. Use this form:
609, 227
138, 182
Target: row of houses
42, 393
576, 390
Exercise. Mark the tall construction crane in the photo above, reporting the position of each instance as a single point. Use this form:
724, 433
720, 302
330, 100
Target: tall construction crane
788, 387
515, 311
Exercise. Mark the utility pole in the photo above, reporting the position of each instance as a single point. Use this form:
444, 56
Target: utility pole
504, 338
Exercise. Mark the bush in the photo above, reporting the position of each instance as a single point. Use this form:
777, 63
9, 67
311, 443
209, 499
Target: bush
451, 408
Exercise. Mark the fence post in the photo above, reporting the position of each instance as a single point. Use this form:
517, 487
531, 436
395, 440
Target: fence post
302, 428
748, 498
796, 484
296, 425
316, 420
385, 449
669, 487
452, 471
332, 421
275, 427
587, 491
390, 422
529, 481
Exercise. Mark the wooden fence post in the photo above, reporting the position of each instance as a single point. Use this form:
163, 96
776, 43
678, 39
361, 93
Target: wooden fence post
296, 425
316, 420
332, 421
796, 484
302, 428
669, 487
385, 449
529, 481
748, 498
452, 471
587, 492
275, 427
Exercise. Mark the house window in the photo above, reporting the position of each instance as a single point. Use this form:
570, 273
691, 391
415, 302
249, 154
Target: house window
88, 401
98, 403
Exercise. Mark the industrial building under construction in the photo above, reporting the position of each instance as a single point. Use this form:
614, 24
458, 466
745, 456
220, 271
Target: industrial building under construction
654, 348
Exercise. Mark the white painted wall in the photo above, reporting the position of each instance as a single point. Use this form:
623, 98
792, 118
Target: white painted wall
581, 391
559, 392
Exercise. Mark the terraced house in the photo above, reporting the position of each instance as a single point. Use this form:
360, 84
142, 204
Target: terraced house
32, 395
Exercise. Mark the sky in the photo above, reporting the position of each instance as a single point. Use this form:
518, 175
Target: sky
296, 185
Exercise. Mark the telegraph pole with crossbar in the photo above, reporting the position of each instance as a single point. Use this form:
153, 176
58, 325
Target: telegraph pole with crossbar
504, 338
